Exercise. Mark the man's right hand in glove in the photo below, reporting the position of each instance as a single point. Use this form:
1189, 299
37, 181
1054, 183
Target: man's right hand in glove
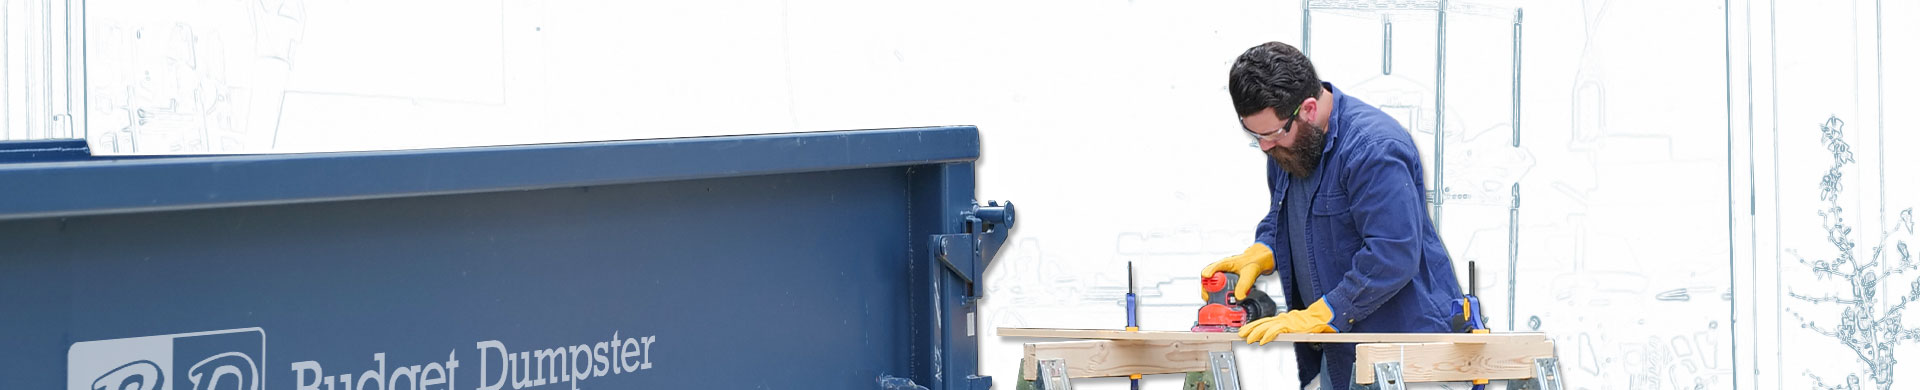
1258, 259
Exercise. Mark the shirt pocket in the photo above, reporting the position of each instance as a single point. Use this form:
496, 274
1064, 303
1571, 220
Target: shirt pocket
1331, 203
1332, 223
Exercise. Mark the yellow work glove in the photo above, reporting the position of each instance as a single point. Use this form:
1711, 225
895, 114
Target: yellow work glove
1249, 265
1312, 320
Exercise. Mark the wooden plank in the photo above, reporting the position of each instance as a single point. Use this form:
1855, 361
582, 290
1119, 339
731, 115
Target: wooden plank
1104, 334
1104, 358
1448, 362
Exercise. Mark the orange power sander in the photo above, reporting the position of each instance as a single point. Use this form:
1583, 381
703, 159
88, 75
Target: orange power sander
1223, 313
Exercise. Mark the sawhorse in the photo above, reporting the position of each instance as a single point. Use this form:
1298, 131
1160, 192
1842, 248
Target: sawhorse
1383, 361
1208, 365
1391, 366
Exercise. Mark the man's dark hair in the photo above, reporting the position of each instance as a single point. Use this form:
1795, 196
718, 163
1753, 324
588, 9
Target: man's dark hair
1274, 75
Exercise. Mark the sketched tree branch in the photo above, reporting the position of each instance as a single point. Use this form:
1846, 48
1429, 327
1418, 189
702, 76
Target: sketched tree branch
1869, 325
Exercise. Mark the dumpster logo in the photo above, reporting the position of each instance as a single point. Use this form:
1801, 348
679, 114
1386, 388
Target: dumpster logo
218, 360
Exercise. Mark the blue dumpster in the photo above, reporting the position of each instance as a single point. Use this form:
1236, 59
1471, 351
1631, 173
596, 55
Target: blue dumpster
829, 260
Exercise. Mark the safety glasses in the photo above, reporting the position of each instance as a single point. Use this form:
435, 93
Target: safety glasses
1284, 128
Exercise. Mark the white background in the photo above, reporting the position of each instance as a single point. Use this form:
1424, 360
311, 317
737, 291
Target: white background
1669, 161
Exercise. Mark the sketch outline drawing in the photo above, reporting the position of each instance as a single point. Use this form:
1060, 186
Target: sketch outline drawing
208, 78
1869, 324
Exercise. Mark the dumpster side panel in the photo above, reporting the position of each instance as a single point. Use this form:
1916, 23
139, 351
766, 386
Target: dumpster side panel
794, 280
945, 324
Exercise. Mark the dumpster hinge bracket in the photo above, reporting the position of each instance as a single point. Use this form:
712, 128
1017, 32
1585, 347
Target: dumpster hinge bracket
967, 254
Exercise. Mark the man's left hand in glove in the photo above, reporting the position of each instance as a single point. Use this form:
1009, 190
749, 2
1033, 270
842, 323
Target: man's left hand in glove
1312, 320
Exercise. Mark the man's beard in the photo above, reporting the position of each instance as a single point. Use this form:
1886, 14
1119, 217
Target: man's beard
1304, 156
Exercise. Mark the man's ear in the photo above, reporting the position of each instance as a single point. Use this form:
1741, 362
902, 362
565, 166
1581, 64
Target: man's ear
1310, 108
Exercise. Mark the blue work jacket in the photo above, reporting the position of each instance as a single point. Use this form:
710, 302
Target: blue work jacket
1372, 250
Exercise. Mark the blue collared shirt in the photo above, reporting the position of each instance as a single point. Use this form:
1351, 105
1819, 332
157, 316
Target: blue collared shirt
1370, 247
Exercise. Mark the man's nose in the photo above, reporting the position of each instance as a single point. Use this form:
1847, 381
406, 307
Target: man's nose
1267, 144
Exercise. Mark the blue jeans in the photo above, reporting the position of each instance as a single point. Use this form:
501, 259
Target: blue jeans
1324, 383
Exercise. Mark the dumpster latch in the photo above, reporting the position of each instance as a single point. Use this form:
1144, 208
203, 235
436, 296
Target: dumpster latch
967, 254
